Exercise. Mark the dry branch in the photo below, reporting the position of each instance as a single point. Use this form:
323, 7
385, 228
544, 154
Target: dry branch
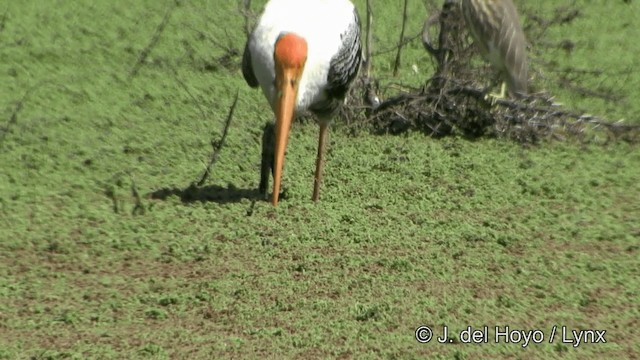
396, 65
186, 89
368, 41
154, 40
453, 100
248, 16
369, 85
110, 192
19, 105
217, 145
3, 19
138, 208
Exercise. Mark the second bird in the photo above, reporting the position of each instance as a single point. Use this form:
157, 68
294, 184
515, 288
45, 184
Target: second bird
497, 31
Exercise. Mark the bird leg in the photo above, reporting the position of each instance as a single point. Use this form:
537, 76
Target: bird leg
266, 167
320, 160
493, 97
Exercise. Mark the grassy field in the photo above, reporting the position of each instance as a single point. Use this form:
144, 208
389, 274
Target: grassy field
410, 230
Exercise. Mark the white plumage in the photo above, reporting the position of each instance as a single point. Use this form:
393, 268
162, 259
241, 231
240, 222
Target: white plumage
320, 22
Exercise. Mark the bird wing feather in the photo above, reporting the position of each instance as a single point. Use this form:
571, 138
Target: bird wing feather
496, 26
344, 67
247, 67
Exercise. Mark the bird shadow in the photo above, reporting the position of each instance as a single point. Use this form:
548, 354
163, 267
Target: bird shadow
209, 193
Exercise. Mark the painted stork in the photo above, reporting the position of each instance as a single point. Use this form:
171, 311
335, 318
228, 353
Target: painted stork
304, 54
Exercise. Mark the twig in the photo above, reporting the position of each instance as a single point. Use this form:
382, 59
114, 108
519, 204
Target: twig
110, 192
211, 39
153, 42
606, 94
466, 108
370, 97
217, 145
397, 46
247, 14
396, 65
13, 118
3, 19
138, 209
186, 89
251, 208
3, 212
369, 40
227, 60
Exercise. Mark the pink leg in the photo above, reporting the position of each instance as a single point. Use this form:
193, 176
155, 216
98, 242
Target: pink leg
320, 160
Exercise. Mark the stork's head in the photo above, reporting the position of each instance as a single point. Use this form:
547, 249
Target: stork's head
290, 56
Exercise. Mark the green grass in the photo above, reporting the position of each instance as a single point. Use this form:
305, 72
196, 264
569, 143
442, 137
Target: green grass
410, 230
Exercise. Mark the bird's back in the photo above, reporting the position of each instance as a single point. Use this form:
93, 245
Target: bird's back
496, 28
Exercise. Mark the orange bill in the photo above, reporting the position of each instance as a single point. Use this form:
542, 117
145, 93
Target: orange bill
289, 56
285, 107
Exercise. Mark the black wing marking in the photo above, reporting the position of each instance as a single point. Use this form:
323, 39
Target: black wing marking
247, 67
343, 69
346, 63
